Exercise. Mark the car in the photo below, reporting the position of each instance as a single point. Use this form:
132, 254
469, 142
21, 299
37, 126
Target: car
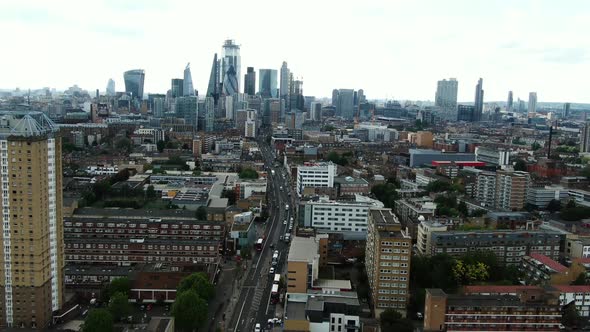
271, 271
257, 328
285, 222
272, 245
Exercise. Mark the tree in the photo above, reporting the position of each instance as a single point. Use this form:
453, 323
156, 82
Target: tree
468, 273
571, 316
248, 173
535, 146
201, 213
120, 285
438, 186
462, 208
580, 280
124, 143
150, 193
391, 320
189, 311
553, 206
161, 145
199, 283
520, 165
98, 320
119, 305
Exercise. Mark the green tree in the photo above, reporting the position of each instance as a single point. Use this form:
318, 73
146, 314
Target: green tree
199, 283
124, 143
553, 206
438, 186
98, 320
391, 320
119, 305
120, 285
571, 316
161, 145
201, 213
248, 173
189, 311
462, 208
535, 146
580, 280
150, 192
520, 165
468, 273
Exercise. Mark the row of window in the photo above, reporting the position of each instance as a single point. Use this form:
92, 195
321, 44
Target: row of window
396, 244
142, 258
124, 225
126, 246
385, 271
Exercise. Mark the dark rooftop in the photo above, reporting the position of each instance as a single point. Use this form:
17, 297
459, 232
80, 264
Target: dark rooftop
135, 213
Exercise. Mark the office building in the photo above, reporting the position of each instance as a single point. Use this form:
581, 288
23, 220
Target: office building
306, 256
187, 108
213, 85
566, 110
511, 189
509, 102
187, 82
158, 110
492, 155
478, 105
334, 97
209, 114
230, 58
267, 83
177, 87
111, 88
466, 113
315, 175
509, 246
541, 196
250, 82
460, 312
346, 218
446, 94
32, 287
388, 251
315, 111
134, 83
345, 104
284, 83
421, 157
532, 104
585, 138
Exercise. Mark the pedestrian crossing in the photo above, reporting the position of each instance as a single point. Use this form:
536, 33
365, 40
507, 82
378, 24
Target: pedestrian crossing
257, 299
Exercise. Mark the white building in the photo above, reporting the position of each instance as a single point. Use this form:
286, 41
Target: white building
500, 157
541, 196
579, 294
425, 230
250, 129
346, 218
315, 174
485, 190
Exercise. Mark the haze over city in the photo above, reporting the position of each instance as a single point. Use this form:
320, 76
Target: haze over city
391, 49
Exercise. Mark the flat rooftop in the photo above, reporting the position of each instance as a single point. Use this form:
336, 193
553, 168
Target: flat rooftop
333, 283
303, 249
133, 213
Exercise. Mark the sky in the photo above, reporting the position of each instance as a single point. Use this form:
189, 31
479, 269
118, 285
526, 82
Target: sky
391, 49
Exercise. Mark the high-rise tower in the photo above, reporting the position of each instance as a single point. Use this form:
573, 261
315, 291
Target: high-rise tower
230, 57
478, 101
32, 282
213, 86
532, 104
111, 88
446, 96
177, 87
510, 102
134, 82
250, 82
267, 83
187, 83
285, 79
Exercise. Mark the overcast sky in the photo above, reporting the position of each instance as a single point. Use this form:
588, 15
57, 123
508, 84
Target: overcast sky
391, 49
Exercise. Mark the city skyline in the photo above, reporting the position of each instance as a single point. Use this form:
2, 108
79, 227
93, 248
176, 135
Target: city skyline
515, 51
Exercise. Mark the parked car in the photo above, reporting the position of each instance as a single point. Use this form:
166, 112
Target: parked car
257, 328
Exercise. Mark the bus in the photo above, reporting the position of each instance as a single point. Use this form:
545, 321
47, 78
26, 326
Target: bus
277, 279
259, 244
274, 294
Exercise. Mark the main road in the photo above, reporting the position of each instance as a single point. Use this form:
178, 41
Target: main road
253, 305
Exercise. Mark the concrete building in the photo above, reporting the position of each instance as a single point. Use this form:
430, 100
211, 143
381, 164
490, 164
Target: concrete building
306, 256
585, 138
459, 312
485, 189
424, 238
532, 104
446, 95
492, 156
420, 157
578, 295
340, 217
541, 196
409, 211
539, 269
509, 246
511, 189
32, 287
350, 186
388, 252
315, 175
425, 139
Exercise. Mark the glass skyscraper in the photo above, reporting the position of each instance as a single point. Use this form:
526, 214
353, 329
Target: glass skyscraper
250, 82
231, 58
187, 83
267, 83
134, 82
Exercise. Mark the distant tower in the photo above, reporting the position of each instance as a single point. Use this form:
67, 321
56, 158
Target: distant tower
250, 82
446, 97
509, 103
134, 82
267, 83
111, 88
478, 101
187, 84
285, 79
532, 104
230, 57
177, 87
585, 138
213, 86
566, 110
230, 82
334, 97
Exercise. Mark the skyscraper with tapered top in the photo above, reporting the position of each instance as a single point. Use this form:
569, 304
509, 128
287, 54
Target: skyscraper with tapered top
478, 101
134, 83
187, 87
213, 86
230, 58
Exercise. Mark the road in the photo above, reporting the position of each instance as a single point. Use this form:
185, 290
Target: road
253, 305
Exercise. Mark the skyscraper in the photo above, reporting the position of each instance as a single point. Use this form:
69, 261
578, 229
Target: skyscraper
345, 104
187, 86
250, 82
532, 104
213, 86
334, 97
510, 102
566, 110
209, 114
32, 280
446, 96
177, 87
285, 79
315, 111
231, 58
478, 101
187, 108
134, 82
267, 83
585, 138
230, 82
158, 110
465, 113
111, 88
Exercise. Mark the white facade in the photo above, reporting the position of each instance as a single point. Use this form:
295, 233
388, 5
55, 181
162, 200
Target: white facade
500, 157
582, 301
346, 218
541, 196
486, 188
315, 175
250, 129
425, 230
